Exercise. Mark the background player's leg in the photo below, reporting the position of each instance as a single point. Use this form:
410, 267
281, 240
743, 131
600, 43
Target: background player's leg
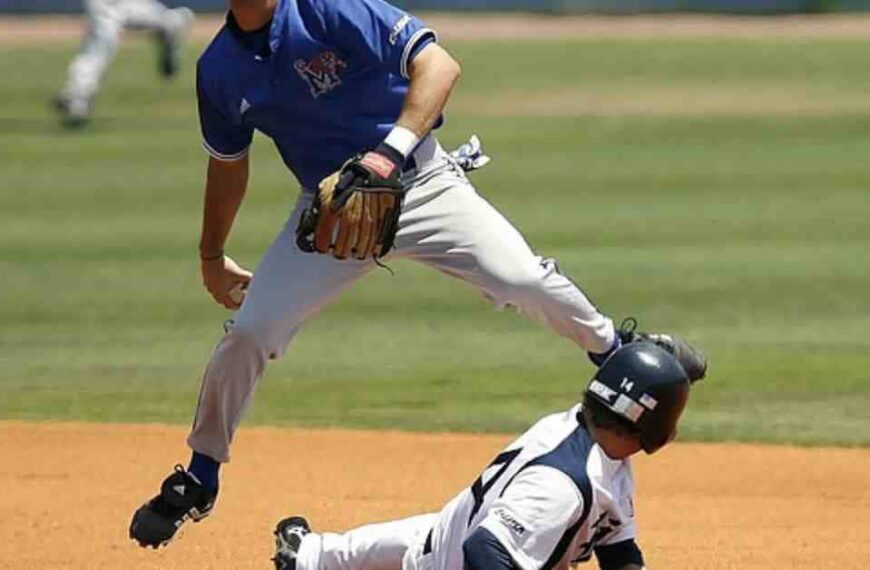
289, 286
145, 14
86, 70
169, 24
378, 546
447, 225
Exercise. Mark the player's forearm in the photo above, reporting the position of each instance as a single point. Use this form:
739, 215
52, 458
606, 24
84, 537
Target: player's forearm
433, 74
225, 187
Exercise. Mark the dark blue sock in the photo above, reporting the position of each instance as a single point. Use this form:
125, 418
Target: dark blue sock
205, 469
599, 358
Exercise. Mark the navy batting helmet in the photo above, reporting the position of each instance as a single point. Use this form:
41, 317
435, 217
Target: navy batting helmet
646, 386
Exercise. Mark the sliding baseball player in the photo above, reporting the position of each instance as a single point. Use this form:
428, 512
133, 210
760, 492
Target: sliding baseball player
560, 494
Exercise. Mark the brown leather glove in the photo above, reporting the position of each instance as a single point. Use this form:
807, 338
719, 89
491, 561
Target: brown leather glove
356, 210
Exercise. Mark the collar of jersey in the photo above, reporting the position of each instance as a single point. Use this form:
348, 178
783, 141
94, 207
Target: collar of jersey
256, 40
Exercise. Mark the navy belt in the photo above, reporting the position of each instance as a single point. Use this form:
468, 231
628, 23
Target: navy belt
410, 164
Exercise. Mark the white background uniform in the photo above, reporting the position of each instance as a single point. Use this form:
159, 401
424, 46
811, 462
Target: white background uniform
444, 224
106, 20
549, 498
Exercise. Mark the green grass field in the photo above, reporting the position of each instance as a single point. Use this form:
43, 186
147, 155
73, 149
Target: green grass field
719, 189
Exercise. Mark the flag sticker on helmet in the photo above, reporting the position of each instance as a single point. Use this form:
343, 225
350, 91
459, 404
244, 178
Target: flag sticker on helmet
628, 408
649, 402
600, 389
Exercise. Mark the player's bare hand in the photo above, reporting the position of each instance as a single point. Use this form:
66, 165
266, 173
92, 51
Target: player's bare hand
225, 280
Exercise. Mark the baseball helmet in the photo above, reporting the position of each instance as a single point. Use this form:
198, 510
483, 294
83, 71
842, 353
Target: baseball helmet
645, 385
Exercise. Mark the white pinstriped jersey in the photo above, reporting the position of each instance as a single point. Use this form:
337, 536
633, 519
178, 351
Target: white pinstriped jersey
550, 498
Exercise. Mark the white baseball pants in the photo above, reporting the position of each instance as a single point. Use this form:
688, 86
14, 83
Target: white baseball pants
106, 20
444, 224
380, 546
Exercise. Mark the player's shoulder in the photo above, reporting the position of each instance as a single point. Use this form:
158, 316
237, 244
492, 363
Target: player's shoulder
554, 427
312, 11
569, 446
213, 61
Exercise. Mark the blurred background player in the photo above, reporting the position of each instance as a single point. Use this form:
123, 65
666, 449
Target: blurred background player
557, 495
106, 20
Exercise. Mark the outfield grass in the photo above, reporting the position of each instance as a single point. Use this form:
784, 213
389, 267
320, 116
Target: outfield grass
717, 189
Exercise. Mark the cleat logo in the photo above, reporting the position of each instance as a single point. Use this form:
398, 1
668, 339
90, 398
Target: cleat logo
244, 106
321, 72
179, 489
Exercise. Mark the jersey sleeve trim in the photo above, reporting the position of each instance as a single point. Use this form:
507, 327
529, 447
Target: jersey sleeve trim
502, 535
420, 36
484, 551
224, 157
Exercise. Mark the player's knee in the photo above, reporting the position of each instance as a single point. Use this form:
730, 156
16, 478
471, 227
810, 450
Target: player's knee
520, 283
260, 338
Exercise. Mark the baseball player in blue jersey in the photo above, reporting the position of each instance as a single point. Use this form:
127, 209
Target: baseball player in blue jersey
559, 494
350, 91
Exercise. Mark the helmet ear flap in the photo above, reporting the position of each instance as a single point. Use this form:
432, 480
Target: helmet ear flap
661, 429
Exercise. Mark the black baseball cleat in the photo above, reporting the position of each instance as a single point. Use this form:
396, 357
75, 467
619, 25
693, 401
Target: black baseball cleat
690, 358
288, 539
75, 111
181, 498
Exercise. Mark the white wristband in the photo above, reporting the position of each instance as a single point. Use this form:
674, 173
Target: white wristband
403, 140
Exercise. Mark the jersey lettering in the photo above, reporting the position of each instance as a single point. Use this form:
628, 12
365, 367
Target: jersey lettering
603, 526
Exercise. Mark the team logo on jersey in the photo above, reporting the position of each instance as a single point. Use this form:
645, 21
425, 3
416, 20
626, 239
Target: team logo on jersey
321, 72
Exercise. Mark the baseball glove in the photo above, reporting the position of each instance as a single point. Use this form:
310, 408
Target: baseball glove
355, 212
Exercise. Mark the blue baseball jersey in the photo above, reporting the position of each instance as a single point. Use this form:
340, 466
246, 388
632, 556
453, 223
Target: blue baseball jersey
324, 80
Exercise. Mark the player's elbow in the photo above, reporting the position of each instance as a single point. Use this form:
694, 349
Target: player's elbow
448, 68
454, 69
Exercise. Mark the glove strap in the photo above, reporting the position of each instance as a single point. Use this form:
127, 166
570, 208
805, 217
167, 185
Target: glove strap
383, 160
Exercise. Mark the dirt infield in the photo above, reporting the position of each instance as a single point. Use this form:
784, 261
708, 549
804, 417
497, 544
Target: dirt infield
42, 29
69, 489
